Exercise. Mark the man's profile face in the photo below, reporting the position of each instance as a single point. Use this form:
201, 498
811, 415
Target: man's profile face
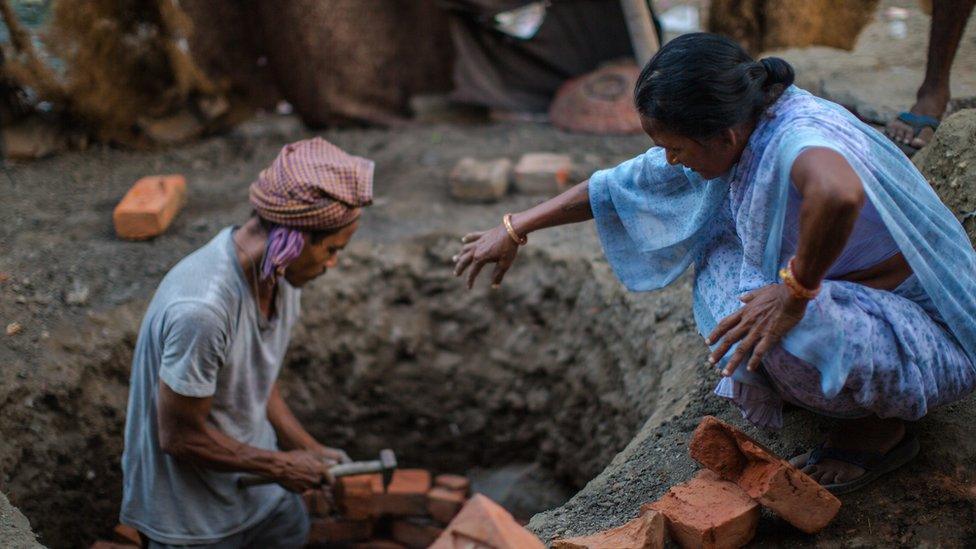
318, 256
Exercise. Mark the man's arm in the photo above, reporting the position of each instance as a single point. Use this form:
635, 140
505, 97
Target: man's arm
185, 435
291, 434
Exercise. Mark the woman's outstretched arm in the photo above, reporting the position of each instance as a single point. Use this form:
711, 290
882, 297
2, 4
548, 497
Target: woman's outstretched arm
498, 247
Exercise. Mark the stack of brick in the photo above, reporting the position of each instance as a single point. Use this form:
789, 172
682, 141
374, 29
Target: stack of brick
719, 508
411, 513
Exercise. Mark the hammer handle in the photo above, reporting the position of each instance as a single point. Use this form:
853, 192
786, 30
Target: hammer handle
340, 470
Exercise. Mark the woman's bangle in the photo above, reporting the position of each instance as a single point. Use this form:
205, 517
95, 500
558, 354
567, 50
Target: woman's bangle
798, 290
520, 240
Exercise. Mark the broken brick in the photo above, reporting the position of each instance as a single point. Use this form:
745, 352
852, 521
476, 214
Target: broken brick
127, 534
764, 476
542, 173
149, 207
480, 181
708, 512
443, 504
482, 521
331, 530
458, 483
317, 503
354, 496
416, 533
406, 496
644, 532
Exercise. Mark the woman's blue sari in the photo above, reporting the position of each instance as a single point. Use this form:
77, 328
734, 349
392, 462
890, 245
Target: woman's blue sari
655, 220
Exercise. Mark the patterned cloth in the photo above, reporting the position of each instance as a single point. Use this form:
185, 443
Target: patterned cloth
313, 185
857, 351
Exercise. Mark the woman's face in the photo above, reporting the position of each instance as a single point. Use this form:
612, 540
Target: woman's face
709, 158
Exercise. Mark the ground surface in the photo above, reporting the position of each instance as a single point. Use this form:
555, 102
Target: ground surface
599, 364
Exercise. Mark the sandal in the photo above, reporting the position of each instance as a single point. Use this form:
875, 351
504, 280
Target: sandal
918, 122
874, 464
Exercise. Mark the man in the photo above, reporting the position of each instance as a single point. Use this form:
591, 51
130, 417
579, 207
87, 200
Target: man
913, 129
204, 405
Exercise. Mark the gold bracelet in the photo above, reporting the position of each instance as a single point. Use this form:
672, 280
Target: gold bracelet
520, 240
798, 290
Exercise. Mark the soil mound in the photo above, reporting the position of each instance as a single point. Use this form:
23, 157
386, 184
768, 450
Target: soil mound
949, 163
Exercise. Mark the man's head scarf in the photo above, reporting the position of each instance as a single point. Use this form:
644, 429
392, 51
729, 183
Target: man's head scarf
311, 186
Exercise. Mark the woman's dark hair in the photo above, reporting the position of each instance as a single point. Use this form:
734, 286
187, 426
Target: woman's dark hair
700, 84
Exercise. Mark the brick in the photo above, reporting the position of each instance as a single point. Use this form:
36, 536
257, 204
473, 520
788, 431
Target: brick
767, 478
708, 512
416, 533
482, 521
480, 181
443, 504
644, 532
406, 495
542, 173
317, 503
354, 496
379, 544
458, 483
127, 534
149, 207
333, 530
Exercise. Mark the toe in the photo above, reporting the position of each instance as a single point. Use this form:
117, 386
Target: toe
800, 461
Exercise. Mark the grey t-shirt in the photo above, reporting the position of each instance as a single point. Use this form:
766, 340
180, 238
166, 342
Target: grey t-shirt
203, 336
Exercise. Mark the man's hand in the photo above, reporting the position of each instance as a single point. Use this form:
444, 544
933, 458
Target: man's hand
302, 470
332, 456
768, 314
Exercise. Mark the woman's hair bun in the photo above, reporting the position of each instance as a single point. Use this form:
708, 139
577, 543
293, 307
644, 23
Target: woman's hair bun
778, 71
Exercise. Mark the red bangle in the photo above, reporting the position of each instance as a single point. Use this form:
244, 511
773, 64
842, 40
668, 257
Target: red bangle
798, 290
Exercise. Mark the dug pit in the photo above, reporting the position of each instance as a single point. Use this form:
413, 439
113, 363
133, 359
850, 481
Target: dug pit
531, 389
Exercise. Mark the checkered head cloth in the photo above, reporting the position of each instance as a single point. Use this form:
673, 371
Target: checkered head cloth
313, 185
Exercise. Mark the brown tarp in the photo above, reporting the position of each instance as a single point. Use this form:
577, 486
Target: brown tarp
501, 71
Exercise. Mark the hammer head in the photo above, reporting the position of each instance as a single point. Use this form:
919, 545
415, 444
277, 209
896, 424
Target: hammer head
389, 463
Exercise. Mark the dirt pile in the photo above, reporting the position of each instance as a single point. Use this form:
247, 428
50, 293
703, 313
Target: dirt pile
949, 164
766, 24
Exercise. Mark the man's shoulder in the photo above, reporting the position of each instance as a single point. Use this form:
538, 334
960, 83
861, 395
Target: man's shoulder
204, 283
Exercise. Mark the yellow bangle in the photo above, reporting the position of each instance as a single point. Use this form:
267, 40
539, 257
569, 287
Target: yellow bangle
520, 240
798, 290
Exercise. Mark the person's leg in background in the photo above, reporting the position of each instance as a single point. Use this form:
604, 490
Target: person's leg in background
915, 128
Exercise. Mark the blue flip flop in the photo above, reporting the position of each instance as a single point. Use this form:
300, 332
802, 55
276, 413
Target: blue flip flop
874, 464
918, 122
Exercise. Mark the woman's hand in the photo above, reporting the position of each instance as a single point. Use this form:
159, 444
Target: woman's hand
768, 314
493, 246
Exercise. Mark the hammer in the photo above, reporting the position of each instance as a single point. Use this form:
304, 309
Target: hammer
385, 465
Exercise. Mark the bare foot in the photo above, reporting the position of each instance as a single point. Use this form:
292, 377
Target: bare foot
860, 435
929, 104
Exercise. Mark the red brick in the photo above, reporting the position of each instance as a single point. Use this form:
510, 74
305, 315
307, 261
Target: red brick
541, 173
458, 483
317, 503
324, 531
406, 495
416, 533
355, 497
482, 521
644, 532
127, 534
149, 207
443, 504
708, 512
766, 477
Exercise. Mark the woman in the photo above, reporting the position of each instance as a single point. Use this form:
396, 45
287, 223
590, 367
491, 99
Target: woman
827, 272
